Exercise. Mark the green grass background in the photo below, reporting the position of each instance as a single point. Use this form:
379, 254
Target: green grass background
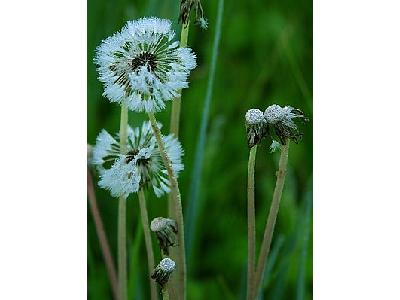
265, 57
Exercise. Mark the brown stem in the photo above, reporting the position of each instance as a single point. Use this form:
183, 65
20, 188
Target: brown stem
176, 198
273, 213
105, 248
251, 223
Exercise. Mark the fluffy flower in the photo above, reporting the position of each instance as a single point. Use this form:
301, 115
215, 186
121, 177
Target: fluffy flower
281, 122
140, 167
142, 67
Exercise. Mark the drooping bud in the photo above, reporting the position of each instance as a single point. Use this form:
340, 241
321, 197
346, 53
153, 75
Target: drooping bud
255, 126
184, 14
163, 271
165, 230
280, 122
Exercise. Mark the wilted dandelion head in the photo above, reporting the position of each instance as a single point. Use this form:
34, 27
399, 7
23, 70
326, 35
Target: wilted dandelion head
281, 122
163, 271
140, 167
255, 126
142, 67
165, 230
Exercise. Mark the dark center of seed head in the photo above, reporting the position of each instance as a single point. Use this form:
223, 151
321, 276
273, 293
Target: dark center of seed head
141, 161
143, 59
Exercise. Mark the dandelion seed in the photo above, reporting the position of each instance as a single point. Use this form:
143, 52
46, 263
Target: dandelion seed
165, 230
163, 271
142, 67
140, 167
281, 122
255, 126
203, 23
274, 146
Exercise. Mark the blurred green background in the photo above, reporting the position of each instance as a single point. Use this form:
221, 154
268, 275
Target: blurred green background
265, 57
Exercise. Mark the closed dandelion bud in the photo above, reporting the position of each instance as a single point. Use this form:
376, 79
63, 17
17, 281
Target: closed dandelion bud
281, 123
163, 271
165, 230
255, 126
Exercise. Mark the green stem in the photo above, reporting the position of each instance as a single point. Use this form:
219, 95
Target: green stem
176, 198
147, 238
122, 260
273, 213
176, 110
251, 223
165, 294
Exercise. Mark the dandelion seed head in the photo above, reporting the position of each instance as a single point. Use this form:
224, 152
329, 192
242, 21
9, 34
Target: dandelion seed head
121, 179
254, 116
141, 166
274, 114
282, 120
142, 67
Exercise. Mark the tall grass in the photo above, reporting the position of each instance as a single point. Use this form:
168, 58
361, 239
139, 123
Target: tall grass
193, 204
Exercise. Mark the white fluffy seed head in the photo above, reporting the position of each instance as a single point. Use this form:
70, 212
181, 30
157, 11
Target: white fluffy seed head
142, 67
254, 117
167, 265
141, 166
274, 114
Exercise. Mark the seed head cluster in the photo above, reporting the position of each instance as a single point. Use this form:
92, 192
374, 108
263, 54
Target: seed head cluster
277, 122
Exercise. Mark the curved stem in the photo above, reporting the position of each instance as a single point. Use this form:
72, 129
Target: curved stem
176, 198
122, 260
251, 223
104, 246
273, 212
147, 238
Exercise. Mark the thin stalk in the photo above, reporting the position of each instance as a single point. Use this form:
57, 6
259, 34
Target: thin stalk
122, 260
147, 239
194, 205
176, 198
165, 294
273, 212
251, 223
176, 110
104, 246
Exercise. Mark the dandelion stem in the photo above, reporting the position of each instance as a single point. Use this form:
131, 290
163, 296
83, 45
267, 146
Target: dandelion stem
122, 260
176, 110
176, 104
147, 238
176, 198
273, 212
105, 248
251, 223
165, 294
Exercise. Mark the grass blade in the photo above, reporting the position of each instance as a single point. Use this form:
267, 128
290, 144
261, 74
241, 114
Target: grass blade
192, 208
304, 240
